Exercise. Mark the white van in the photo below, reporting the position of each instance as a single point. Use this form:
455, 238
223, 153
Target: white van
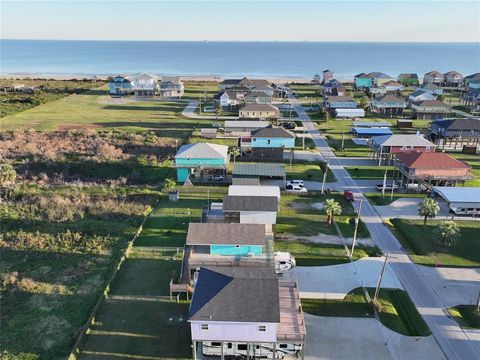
263, 350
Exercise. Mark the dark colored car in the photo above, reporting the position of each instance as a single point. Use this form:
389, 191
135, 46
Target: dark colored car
349, 195
289, 126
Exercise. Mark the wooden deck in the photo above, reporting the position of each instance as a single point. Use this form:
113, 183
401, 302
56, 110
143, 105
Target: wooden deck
292, 322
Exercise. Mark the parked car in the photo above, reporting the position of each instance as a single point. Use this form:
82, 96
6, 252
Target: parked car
388, 187
216, 178
217, 125
289, 126
295, 182
295, 188
348, 195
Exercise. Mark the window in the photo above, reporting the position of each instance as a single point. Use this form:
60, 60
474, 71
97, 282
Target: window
262, 328
205, 327
269, 141
229, 345
283, 346
242, 347
215, 343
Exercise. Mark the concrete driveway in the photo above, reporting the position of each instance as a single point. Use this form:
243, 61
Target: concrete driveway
454, 286
363, 338
336, 281
407, 208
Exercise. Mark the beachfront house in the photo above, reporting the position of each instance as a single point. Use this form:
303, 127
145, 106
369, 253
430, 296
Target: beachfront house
433, 77
340, 102
387, 147
388, 104
453, 79
471, 99
171, 87
392, 86
245, 312
201, 160
331, 85
472, 81
145, 85
432, 89
273, 137
229, 99
363, 81
408, 79
259, 111
270, 91
379, 78
257, 97
120, 85
328, 75
434, 168
420, 95
429, 109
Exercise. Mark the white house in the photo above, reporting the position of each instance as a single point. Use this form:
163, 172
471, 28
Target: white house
420, 95
145, 85
171, 87
229, 99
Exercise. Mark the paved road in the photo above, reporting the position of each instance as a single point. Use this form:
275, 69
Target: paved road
451, 338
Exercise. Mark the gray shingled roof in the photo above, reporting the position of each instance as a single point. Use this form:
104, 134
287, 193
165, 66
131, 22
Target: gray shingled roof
273, 132
238, 294
225, 234
408, 76
202, 151
257, 94
259, 107
250, 203
458, 124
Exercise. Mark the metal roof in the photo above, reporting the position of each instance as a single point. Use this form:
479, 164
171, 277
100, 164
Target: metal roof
259, 169
401, 140
257, 124
250, 203
202, 151
371, 124
238, 294
371, 131
459, 194
253, 190
225, 234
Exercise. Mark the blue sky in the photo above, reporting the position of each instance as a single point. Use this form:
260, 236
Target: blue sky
385, 20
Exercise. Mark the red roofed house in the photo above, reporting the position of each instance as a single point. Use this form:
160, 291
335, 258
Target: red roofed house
435, 168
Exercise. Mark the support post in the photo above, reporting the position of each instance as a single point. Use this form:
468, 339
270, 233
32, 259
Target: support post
194, 350
222, 353
384, 183
274, 348
357, 220
377, 289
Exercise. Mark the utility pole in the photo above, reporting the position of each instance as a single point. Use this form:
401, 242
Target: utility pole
343, 140
377, 290
384, 183
357, 220
303, 138
324, 179
478, 302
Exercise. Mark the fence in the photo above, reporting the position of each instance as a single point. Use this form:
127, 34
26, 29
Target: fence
106, 291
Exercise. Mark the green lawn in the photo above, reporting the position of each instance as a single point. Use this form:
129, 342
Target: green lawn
474, 162
369, 172
198, 89
396, 311
423, 244
353, 305
466, 315
377, 198
312, 254
308, 171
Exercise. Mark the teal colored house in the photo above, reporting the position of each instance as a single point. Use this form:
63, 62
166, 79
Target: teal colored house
120, 85
363, 81
201, 160
273, 137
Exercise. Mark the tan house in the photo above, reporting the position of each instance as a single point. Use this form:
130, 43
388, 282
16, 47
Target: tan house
259, 111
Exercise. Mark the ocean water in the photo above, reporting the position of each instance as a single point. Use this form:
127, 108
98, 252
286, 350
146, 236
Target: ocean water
268, 59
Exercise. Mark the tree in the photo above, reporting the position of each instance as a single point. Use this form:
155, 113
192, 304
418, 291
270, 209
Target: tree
332, 208
235, 152
7, 174
448, 232
168, 184
364, 102
428, 208
218, 111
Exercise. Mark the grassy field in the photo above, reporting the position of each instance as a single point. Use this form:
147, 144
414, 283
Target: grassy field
353, 305
466, 315
396, 311
308, 171
424, 248
47, 91
474, 162
312, 254
59, 245
377, 198
370, 172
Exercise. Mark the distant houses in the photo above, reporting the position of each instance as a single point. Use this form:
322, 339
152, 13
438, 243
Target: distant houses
453, 79
340, 102
388, 104
259, 111
328, 75
408, 79
455, 132
431, 89
433, 77
420, 95
429, 109
146, 85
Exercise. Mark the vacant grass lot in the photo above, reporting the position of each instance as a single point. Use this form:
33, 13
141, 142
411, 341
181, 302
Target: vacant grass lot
466, 315
370, 172
425, 249
58, 247
396, 310
377, 198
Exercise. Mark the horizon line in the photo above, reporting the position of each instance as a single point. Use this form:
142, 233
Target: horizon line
255, 41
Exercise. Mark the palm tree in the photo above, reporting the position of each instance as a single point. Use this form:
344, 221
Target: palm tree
448, 232
218, 111
364, 102
234, 152
428, 208
332, 208
169, 185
